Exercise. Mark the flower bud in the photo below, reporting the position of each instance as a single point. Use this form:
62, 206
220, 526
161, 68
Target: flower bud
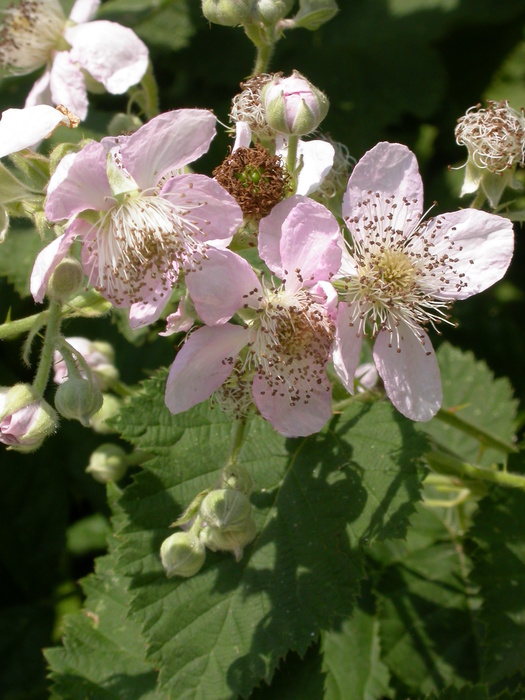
228, 13
293, 105
65, 281
98, 355
107, 463
111, 406
314, 13
182, 554
225, 509
270, 12
229, 540
78, 399
25, 418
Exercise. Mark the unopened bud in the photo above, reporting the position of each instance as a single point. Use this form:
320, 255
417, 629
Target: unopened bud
228, 13
229, 540
107, 463
78, 399
225, 509
293, 105
314, 13
182, 554
100, 357
270, 12
66, 280
238, 478
111, 406
25, 418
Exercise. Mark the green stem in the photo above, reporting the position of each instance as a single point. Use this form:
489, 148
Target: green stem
48, 348
291, 158
12, 329
444, 464
479, 200
239, 434
483, 436
262, 60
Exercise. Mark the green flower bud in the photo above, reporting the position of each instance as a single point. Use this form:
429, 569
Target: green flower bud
229, 13
229, 540
25, 418
225, 509
293, 105
313, 13
111, 406
270, 12
182, 554
65, 281
107, 463
78, 399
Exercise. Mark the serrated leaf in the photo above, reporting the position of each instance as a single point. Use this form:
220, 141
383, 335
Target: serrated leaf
487, 403
500, 573
103, 653
352, 660
427, 607
315, 501
296, 678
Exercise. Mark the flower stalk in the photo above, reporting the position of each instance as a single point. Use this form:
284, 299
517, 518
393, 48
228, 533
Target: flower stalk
445, 464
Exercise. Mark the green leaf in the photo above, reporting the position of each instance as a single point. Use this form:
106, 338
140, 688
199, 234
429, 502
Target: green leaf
296, 678
469, 386
315, 501
500, 573
352, 657
17, 256
103, 653
427, 606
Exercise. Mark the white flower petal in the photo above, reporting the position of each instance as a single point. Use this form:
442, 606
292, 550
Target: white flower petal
23, 128
411, 375
83, 10
67, 85
317, 159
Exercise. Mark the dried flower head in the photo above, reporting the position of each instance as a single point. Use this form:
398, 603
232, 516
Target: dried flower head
255, 179
247, 106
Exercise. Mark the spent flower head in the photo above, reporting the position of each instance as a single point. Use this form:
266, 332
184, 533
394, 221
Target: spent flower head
495, 140
401, 274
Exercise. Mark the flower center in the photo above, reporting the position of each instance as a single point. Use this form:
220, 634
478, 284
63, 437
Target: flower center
29, 34
291, 343
143, 239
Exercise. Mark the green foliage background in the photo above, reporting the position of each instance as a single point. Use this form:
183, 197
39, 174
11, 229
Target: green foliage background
352, 589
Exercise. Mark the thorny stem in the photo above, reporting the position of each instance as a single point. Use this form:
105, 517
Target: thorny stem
444, 464
48, 348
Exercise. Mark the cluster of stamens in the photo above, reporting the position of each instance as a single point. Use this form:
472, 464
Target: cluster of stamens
495, 136
247, 106
255, 179
29, 34
291, 340
140, 241
402, 269
234, 397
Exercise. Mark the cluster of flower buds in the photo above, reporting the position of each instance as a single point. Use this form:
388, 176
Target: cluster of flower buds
218, 519
269, 13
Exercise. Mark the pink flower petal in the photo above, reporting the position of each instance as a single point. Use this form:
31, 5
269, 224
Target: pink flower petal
67, 85
22, 128
47, 260
270, 234
40, 93
79, 183
347, 347
83, 10
224, 283
167, 143
202, 365
243, 136
301, 419
309, 244
213, 210
480, 246
388, 169
411, 376
111, 53
148, 310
